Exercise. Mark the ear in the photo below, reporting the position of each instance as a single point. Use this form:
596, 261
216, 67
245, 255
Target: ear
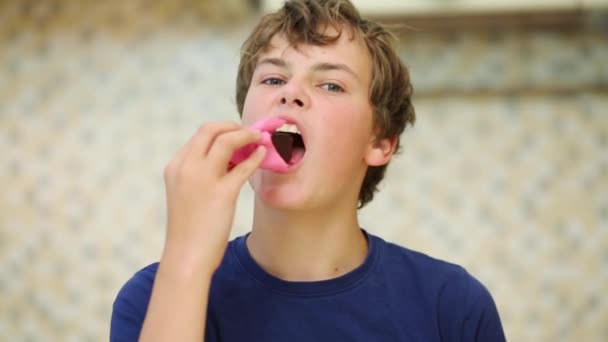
380, 151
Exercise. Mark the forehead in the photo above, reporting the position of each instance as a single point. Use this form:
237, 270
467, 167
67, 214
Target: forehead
349, 49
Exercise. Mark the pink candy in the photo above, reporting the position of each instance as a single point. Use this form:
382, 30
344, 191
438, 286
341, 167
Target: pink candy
272, 161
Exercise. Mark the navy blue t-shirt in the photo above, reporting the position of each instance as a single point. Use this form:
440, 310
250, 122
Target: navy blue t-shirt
396, 295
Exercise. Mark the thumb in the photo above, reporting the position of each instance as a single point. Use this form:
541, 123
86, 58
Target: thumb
241, 172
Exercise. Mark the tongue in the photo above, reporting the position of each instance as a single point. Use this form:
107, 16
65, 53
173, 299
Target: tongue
297, 154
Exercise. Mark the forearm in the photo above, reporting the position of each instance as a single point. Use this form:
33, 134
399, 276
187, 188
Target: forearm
178, 304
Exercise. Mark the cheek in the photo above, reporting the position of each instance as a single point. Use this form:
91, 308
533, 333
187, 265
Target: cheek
352, 138
347, 144
250, 108
352, 126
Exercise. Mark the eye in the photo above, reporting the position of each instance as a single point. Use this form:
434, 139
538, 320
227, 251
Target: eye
332, 87
273, 81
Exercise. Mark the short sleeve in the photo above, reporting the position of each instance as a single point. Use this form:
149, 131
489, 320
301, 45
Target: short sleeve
467, 312
130, 305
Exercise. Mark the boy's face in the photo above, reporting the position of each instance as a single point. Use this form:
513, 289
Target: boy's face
324, 90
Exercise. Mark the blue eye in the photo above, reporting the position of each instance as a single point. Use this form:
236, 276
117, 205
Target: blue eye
332, 87
273, 81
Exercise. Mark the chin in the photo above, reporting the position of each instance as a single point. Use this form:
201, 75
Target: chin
277, 192
280, 198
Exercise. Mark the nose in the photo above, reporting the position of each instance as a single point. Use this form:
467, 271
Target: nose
296, 101
294, 95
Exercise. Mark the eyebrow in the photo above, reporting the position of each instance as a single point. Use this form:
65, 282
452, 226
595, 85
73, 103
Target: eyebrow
335, 66
274, 61
278, 62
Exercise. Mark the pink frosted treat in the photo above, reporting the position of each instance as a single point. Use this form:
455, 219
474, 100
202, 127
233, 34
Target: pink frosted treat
273, 160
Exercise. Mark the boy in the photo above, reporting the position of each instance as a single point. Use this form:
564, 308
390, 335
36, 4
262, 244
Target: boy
307, 271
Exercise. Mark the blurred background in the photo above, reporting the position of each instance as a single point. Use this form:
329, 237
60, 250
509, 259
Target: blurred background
505, 171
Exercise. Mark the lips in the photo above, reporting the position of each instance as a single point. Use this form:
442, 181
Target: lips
283, 149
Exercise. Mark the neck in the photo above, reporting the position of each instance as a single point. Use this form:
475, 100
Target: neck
306, 246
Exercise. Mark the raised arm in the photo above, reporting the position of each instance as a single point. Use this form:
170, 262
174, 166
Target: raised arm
201, 201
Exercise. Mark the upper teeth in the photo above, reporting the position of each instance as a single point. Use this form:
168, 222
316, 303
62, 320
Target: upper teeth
290, 128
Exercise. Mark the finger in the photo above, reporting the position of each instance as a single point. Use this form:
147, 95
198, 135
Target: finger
197, 145
226, 144
198, 142
175, 163
240, 173
205, 136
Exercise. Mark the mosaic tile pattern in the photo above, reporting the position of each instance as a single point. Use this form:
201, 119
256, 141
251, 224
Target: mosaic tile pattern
514, 61
96, 97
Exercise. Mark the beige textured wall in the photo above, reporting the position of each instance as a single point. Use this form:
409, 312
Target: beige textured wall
95, 98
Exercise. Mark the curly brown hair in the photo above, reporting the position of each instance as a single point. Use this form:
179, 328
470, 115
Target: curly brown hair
305, 22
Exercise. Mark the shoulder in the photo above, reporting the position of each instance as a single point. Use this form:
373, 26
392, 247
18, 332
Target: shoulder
464, 308
444, 277
418, 267
131, 303
136, 291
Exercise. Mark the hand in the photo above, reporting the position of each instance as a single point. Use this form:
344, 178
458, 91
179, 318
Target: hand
202, 193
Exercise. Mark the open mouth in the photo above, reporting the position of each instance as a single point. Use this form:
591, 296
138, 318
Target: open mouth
289, 143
